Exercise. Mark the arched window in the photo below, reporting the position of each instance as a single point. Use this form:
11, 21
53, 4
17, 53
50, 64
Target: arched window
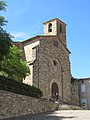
50, 28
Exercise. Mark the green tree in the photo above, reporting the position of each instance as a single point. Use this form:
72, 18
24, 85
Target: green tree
3, 5
5, 38
13, 66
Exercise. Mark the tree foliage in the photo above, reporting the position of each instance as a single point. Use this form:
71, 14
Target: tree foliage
3, 5
5, 43
13, 66
5, 38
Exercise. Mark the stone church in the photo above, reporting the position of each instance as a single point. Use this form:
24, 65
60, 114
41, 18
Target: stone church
47, 56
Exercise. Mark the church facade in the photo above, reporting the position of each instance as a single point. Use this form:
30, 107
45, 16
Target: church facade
47, 56
48, 59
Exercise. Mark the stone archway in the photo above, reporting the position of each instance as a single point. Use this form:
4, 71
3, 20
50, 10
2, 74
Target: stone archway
54, 91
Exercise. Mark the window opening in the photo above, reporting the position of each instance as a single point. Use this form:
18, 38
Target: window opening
55, 62
50, 27
82, 81
83, 88
60, 28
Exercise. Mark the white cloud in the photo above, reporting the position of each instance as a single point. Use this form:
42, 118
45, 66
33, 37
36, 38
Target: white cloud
22, 35
19, 35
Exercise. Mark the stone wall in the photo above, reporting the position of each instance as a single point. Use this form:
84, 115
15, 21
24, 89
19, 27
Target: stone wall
50, 73
45, 73
84, 92
75, 92
30, 55
52, 63
12, 105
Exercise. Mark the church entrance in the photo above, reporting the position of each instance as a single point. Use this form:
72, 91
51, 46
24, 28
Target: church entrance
54, 91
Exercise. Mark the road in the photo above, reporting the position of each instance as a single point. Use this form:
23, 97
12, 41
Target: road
59, 115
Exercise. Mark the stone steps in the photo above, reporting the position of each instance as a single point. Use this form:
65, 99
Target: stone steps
68, 107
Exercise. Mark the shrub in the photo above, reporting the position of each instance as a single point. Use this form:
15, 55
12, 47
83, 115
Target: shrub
19, 88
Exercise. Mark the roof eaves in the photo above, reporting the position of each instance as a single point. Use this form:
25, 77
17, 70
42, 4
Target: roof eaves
54, 19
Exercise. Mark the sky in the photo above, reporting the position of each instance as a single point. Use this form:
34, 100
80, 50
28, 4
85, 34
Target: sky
25, 18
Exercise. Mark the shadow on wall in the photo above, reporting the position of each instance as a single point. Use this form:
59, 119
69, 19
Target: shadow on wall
44, 116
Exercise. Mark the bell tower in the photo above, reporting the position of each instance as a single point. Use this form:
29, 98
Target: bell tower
56, 27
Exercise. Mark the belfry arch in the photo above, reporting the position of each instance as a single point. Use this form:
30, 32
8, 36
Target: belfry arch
50, 27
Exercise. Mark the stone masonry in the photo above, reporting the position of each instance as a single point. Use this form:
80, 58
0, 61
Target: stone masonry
75, 89
15, 105
48, 59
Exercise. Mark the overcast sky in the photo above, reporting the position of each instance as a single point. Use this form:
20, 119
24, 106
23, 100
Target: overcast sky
25, 18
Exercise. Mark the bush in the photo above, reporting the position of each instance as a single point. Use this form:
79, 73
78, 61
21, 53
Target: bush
19, 88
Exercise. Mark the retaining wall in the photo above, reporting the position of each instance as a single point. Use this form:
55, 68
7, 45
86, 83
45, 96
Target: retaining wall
13, 105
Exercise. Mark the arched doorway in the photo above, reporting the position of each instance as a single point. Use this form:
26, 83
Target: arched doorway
54, 91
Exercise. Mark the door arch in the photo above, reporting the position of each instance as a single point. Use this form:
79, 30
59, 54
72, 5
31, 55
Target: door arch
54, 91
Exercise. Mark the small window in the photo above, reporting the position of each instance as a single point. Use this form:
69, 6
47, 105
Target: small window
55, 43
55, 62
60, 28
50, 28
34, 53
83, 102
83, 88
82, 81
